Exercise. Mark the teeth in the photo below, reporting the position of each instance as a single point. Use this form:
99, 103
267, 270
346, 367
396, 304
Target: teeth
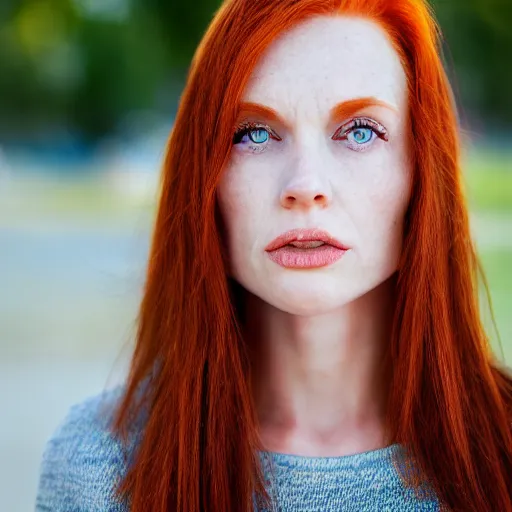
307, 245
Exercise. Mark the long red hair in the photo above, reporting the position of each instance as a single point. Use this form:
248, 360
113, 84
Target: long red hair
449, 402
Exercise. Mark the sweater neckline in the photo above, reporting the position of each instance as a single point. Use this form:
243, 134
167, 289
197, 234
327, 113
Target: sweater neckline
326, 463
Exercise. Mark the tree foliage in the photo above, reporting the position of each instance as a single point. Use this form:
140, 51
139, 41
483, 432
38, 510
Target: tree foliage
83, 65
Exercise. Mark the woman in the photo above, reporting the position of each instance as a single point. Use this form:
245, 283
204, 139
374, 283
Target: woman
309, 336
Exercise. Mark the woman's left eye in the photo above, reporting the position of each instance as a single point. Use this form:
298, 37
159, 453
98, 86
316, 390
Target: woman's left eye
360, 133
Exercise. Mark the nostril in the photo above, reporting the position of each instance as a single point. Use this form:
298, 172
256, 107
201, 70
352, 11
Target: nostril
307, 198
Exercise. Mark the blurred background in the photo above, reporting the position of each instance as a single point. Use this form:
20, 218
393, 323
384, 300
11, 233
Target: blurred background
88, 93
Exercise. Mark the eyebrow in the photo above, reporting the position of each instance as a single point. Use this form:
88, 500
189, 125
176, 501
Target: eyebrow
337, 113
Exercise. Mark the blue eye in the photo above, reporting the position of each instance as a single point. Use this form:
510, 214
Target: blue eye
361, 135
248, 134
259, 136
253, 137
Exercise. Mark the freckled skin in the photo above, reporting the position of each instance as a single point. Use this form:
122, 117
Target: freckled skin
309, 180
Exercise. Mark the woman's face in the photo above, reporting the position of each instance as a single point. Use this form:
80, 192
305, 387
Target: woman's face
325, 150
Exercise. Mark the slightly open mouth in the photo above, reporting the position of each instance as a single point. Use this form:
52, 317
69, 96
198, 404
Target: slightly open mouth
309, 244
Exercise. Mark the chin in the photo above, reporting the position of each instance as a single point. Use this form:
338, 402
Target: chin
308, 297
306, 307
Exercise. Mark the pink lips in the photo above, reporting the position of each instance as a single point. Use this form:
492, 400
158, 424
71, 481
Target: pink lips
312, 248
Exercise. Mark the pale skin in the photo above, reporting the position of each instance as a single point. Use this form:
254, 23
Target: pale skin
319, 334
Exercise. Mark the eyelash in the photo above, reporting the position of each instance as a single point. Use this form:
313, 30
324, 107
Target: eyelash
377, 129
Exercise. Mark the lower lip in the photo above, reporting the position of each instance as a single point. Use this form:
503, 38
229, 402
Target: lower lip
293, 257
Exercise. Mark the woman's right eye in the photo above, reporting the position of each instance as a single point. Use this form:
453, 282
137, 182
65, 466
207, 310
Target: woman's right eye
254, 136
258, 136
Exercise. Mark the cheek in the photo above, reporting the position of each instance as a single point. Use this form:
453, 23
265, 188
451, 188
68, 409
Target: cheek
389, 191
384, 198
240, 198
236, 195
388, 199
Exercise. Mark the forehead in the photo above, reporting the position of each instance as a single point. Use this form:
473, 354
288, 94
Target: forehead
326, 60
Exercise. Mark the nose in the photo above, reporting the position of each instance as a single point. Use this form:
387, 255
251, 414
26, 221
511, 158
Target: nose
305, 192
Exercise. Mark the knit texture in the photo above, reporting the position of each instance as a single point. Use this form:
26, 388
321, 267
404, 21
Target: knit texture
83, 464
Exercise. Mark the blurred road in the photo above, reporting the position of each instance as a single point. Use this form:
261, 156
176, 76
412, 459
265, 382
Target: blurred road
68, 301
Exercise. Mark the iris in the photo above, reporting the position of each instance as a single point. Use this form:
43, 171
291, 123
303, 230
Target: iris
259, 136
362, 135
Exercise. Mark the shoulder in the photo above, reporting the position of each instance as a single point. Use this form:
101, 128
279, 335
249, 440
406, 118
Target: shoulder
83, 462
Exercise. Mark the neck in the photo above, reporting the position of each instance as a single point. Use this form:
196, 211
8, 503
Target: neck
319, 382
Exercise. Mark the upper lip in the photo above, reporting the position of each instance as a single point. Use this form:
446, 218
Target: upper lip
304, 235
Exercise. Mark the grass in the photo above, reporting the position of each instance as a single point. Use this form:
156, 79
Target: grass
488, 178
33, 200
498, 271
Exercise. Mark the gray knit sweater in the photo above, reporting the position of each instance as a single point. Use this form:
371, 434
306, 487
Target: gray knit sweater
83, 463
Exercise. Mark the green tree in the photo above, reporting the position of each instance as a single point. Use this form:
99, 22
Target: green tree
64, 66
